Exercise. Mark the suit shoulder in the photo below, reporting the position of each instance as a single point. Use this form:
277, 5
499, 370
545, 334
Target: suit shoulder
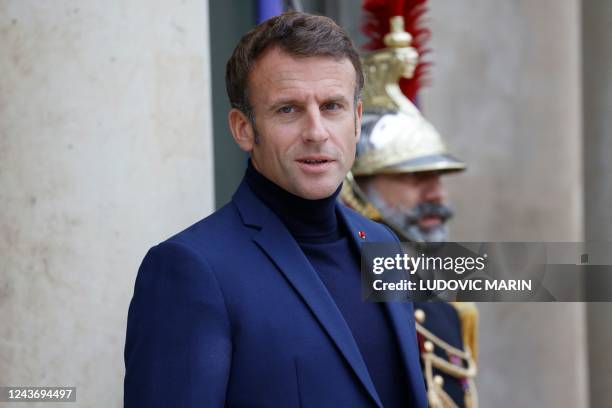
222, 225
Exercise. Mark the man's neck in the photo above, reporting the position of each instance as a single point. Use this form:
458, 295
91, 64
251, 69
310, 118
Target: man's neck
307, 220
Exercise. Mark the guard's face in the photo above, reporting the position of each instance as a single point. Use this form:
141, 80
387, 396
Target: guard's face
306, 122
410, 189
414, 202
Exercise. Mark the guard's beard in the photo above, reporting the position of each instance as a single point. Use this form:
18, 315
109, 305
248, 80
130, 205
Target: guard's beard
406, 220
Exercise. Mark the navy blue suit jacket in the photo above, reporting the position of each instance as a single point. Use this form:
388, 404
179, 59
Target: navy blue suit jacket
230, 313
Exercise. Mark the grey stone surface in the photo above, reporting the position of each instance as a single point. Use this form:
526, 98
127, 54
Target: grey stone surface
506, 93
105, 150
597, 96
532, 355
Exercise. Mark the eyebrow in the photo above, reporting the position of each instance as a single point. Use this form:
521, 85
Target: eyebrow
282, 102
336, 98
292, 101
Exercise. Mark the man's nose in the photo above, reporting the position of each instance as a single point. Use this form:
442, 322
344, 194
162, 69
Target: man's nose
314, 127
433, 191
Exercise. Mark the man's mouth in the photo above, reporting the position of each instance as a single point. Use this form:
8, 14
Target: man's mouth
314, 164
314, 161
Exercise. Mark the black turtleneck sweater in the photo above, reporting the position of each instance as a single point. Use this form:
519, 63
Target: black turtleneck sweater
314, 225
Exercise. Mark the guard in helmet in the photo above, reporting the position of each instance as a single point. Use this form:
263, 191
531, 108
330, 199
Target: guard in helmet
396, 180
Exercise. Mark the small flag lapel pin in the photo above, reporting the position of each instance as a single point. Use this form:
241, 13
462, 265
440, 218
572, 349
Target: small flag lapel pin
362, 234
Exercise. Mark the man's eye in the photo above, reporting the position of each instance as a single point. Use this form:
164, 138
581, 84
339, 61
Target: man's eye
331, 106
286, 109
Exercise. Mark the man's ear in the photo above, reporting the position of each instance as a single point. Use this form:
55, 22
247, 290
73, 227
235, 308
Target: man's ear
358, 114
242, 129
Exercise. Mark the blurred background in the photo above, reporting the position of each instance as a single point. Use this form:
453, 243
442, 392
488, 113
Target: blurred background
113, 137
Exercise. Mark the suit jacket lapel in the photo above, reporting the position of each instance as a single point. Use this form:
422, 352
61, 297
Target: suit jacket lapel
276, 241
403, 324
400, 313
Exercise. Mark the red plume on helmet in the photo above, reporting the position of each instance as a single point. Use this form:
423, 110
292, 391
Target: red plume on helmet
376, 25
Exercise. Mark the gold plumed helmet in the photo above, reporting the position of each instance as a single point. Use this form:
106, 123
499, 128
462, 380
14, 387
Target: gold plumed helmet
395, 137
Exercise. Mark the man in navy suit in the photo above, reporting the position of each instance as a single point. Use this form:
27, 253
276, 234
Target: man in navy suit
258, 305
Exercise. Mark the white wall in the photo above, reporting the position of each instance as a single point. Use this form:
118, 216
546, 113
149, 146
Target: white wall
105, 150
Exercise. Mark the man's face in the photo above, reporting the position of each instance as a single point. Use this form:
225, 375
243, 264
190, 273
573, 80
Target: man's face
306, 122
413, 202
